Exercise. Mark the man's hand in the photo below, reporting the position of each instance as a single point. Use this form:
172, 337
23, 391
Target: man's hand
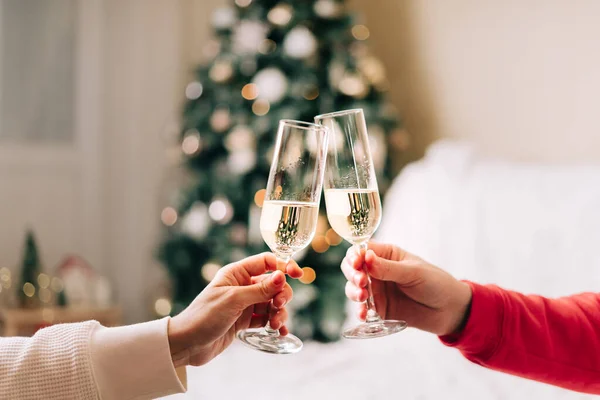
407, 288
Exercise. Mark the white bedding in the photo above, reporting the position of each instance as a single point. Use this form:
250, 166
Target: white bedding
527, 227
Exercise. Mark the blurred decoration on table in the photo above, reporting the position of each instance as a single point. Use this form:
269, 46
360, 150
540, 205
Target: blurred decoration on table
269, 60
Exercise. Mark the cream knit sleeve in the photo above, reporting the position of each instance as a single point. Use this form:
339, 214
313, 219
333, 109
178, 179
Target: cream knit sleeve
53, 364
88, 361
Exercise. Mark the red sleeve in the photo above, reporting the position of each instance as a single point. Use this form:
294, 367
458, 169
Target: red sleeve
556, 341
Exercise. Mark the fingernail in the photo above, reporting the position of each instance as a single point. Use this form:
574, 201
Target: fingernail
277, 278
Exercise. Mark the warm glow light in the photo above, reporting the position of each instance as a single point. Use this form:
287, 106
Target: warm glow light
311, 93
4, 274
267, 46
280, 15
209, 271
43, 280
193, 90
243, 3
28, 289
162, 307
259, 197
191, 142
168, 216
309, 275
333, 238
217, 210
220, 120
56, 285
360, 32
45, 295
320, 244
250, 91
261, 107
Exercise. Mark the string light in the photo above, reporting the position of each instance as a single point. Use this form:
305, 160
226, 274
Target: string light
168, 216
309, 275
267, 46
250, 91
220, 210
280, 15
360, 32
45, 295
43, 280
333, 238
311, 92
209, 271
220, 120
56, 285
243, 3
261, 107
221, 71
162, 307
29, 289
193, 90
191, 142
320, 244
259, 197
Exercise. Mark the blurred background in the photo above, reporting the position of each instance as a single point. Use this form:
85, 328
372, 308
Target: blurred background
99, 100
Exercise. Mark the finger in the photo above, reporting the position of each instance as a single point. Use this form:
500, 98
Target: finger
391, 252
255, 265
362, 312
354, 293
293, 270
284, 297
258, 321
283, 331
278, 319
261, 308
260, 292
359, 278
402, 272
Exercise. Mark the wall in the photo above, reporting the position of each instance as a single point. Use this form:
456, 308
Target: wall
521, 78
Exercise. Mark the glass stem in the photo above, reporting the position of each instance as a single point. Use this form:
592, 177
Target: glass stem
281, 264
372, 315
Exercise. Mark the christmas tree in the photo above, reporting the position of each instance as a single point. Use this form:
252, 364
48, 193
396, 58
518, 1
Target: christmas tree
30, 271
269, 60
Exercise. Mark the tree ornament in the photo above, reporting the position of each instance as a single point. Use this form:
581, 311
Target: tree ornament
280, 15
224, 17
300, 43
196, 222
272, 84
248, 35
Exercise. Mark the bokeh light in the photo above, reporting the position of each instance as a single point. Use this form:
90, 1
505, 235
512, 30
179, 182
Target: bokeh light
360, 32
309, 275
168, 216
162, 307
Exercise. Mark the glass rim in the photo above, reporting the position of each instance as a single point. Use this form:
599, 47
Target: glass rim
302, 124
339, 113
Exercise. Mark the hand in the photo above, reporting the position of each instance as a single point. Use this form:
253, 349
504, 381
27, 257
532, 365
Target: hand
407, 288
239, 297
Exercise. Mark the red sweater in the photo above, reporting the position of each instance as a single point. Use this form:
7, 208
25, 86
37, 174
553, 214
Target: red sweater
556, 341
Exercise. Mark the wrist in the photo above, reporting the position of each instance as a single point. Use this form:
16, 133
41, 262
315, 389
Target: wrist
461, 309
177, 343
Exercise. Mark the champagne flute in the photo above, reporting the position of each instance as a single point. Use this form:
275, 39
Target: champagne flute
352, 201
290, 211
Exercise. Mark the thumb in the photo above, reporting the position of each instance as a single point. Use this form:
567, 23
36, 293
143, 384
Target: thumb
262, 291
401, 272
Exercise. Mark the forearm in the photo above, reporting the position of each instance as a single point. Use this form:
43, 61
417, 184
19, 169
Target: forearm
555, 341
87, 360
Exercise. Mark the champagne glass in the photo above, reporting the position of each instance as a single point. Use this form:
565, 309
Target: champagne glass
290, 211
352, 201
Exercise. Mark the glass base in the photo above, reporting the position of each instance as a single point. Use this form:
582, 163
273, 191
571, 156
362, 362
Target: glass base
260, 339
369, 330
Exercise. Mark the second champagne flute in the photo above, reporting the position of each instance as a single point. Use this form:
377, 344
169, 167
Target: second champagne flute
352, 201
290, 211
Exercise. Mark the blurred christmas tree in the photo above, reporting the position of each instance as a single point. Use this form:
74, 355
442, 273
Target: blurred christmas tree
30, 271
269, 60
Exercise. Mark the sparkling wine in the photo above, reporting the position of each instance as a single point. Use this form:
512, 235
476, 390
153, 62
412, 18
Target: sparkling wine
354, 214
288, 226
